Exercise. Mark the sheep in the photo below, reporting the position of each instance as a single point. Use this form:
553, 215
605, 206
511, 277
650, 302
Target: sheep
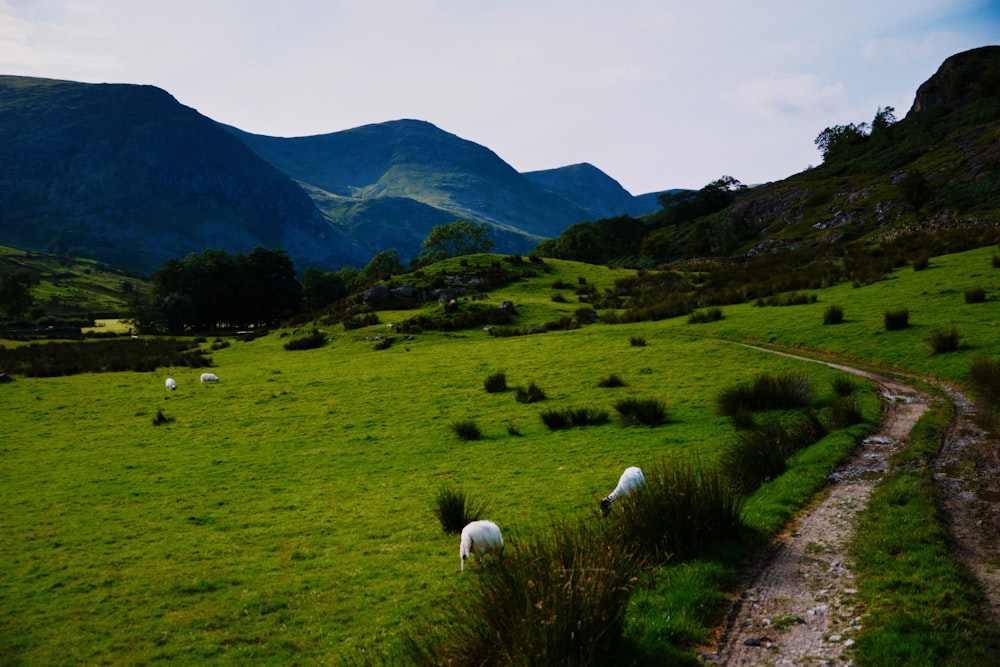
630, 482
390, 326
480, 538
209, 377
171, 384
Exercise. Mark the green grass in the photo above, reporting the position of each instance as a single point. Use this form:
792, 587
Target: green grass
284, 515
923, 609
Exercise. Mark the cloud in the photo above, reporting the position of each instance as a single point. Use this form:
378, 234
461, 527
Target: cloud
773, 96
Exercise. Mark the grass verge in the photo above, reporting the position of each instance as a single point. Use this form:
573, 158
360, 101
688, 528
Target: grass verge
924, 609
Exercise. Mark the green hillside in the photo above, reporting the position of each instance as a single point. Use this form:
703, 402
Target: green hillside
284, 514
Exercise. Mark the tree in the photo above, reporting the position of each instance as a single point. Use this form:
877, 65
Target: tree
320, 288
833, 140
454, 240
688, 205
883, 119
915, 189
15, 293
383, 264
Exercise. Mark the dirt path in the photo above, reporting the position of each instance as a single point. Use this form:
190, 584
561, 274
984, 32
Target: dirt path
799, 606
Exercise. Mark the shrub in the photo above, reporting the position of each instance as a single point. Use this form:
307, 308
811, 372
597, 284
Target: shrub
613, 380
975, 295
560, 419
559, 297
704, 317
533, 394
455, 510
920, 263
101, 356
833, 315
765, 392
513, 430
559, 599
496, 382
647, 412
637, 341
585, 315
897, 319
467, 430
945, 340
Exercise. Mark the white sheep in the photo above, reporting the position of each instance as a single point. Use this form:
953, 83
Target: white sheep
630, 481
209, 377
171, 384
480, 538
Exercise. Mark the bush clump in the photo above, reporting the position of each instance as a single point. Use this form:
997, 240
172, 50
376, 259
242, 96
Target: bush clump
844, 411
637, 341
644, 411
559, 599
765, 392
532, 394
945, 340
833, 315
761, 454
975, 295
613, 380
843, 385
101, 356
496, 382
454, 509
569, 417
313, 340
705, 316
897, 319
467, 429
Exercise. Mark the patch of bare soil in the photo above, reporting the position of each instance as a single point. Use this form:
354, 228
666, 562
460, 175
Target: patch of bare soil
799, 605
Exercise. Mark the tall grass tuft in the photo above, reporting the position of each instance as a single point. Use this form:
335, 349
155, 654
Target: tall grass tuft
559, 599
569, 417
897, 319
682, 510
637, 341
644, 411
467, 429
844, 411
611, 381
833, 315
706, 316
984, 375
765, 392
454, 509
761, 454
975, 295
843, 385
532, 394
496, 382
945, 340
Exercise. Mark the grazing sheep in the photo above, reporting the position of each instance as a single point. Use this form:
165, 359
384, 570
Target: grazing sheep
171, 384
630, 481
209, 377
479, 538
390, 326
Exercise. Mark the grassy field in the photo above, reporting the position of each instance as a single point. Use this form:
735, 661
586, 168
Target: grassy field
284, 514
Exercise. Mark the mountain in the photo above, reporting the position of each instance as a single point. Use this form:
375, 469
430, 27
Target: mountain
127, 175
423, 176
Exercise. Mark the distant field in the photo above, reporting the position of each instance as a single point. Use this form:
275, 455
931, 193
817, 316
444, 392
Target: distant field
283, 515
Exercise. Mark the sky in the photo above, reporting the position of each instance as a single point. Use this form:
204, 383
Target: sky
658, 94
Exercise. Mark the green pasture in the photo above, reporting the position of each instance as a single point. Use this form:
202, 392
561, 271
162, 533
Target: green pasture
934, 297
284, 514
